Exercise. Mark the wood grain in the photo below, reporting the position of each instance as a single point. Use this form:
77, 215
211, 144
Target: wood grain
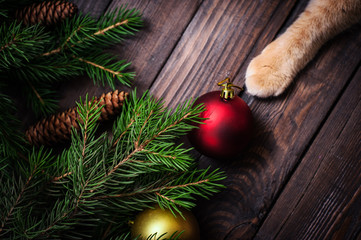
215, 44
285, 126
272, 31
94, 8
323, 197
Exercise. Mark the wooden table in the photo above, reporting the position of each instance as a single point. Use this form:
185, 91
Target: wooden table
300, 178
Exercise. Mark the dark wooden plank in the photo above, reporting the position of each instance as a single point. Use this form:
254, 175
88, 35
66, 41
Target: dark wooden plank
272, 31
323, 198
94, 8
215, 44
284, 127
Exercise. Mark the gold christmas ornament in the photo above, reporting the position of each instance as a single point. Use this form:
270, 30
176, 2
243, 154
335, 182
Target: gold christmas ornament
57, 128
156, 222
47, 12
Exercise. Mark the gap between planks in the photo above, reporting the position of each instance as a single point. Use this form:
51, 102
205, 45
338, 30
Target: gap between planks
311, 142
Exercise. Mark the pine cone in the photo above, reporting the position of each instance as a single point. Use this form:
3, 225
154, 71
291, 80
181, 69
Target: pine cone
57, 128
46, 13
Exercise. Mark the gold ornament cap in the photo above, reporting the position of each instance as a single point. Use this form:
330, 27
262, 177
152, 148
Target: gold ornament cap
227, 90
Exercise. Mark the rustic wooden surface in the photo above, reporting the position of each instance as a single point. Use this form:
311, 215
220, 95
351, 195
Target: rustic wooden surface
300, 178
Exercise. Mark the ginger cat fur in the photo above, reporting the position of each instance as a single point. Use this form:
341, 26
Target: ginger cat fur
270, 73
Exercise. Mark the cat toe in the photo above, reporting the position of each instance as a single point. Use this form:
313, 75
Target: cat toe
264, 80
262, 86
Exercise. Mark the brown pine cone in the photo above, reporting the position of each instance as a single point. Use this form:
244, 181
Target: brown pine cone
57, 128
46, 13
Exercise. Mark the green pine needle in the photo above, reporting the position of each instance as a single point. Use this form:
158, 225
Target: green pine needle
39, 57
11, 138
18, 44
105, 69
49, 70
3, 11
41, 97
82, 32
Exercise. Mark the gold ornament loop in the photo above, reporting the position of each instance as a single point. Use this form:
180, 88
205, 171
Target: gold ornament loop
228, 91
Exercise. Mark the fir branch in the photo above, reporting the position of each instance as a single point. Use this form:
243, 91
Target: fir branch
11, 138
89, 112
113, 26
105, 68
16, 202
136, 144
76, 28
59, 218
3, 11
160, 154
153, 190
122, 133
65, 44
103, 31
53, 69
26, 188
83, 31
166, 198
40, 98
141, 144
19, 44
36, 93
99, 66
62, 176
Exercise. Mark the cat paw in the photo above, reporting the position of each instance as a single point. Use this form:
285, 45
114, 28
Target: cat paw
264, 77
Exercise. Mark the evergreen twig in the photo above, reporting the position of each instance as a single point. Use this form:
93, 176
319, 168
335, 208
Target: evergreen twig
18, 44
11, 138
104, 179
39, 57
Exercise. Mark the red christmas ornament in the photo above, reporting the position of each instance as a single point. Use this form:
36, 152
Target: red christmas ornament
227, 128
